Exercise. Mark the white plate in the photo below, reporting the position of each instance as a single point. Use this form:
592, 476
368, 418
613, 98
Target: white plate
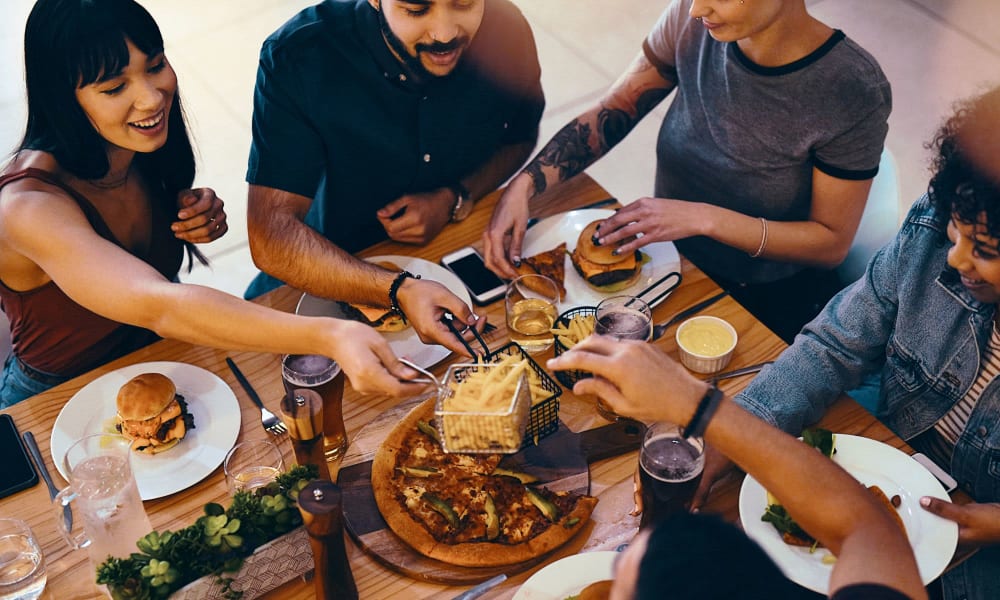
872, 463
567, 576
216, 425
566, 227
404, 343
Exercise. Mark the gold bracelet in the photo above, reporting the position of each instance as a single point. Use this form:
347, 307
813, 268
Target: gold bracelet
763, 239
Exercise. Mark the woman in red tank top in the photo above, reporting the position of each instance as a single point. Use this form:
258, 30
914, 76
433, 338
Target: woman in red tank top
96, 212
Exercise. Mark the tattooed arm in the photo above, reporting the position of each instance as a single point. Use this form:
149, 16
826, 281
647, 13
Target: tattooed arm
577, 145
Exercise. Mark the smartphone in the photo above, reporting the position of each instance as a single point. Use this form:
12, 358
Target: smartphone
484, 285
946, 480
16, 471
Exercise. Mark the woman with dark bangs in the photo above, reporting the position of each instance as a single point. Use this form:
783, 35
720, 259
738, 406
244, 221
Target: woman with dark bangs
96, 212
925, 318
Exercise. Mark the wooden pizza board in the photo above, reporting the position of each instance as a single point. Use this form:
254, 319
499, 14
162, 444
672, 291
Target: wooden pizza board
560, 461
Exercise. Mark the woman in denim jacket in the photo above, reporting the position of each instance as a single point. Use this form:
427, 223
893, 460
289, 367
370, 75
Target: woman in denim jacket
925, 316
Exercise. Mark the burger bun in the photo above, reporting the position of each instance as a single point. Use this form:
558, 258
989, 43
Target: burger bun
145, 396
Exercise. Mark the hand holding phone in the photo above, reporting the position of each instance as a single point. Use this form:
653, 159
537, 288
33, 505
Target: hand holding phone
16, 470
484, 285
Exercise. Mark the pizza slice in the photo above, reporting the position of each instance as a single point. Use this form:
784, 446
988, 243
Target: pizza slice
551, 263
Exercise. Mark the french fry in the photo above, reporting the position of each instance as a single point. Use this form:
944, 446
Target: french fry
578, 328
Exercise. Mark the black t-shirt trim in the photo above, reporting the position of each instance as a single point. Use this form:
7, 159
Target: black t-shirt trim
791, 67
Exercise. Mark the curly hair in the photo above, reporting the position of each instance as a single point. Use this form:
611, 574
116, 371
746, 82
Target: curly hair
963, 186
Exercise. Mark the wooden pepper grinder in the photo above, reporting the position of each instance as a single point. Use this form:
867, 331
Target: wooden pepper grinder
320, 505
302, 412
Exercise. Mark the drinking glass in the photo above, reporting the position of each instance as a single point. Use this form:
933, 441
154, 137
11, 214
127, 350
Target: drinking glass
252, 464
670, 469
531, 309
624, 318
325, 377
103, 489
22, 568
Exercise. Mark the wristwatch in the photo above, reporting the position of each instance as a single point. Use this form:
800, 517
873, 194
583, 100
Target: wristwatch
463, 206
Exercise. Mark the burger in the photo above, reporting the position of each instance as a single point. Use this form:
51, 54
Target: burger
152, 414
382, 319
600, 267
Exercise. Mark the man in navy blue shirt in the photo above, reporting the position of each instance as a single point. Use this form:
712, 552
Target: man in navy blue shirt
378, 119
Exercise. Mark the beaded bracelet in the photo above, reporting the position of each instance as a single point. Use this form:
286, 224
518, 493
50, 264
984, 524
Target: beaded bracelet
394, 291
703, 414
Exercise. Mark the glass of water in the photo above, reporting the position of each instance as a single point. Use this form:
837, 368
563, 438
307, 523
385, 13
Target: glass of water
22, 569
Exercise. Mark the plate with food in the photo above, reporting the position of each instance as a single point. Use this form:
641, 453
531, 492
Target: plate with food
560, 246
182, 418
585, 576
403, 340
900, 482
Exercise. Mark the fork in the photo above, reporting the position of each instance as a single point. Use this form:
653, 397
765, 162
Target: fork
268, 420
661, 328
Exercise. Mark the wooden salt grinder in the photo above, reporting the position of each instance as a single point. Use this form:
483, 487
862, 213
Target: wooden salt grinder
302, 413
320, 505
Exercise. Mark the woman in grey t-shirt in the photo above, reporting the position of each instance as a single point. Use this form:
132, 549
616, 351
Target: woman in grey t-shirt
764, 160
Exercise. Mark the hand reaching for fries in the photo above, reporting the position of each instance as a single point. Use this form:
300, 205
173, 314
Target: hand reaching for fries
578, 328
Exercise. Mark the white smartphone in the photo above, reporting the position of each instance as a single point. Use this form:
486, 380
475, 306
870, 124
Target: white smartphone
946, 480
484, 285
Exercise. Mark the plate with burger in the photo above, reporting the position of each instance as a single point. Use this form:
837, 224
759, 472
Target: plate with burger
593, 273
401, 337
182, 420
900, 482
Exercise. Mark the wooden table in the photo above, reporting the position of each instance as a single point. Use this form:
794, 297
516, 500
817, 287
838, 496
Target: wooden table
70, 574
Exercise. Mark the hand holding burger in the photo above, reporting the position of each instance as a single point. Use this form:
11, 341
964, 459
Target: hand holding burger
152, 414
600, 267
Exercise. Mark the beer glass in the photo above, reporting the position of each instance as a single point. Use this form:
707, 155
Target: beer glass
622, 318
325, 377
531, 309
105, 498
22, 569
670, 469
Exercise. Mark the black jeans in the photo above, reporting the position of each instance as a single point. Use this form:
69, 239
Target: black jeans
787, 304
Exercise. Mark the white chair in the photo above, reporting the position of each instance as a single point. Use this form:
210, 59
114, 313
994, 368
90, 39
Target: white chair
879, 222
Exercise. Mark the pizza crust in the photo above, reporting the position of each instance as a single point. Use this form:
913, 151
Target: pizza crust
390, 498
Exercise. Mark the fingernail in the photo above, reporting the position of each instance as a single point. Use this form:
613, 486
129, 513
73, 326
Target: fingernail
596, 240
925, 501
635, 512
517, 261
695, 511
615, 252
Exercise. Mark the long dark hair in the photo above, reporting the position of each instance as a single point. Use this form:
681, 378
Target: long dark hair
964, 186
71, 43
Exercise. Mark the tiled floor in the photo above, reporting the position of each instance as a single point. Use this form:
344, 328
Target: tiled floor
933, 51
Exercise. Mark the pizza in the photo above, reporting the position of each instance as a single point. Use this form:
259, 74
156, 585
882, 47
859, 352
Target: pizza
462, 509
551, 263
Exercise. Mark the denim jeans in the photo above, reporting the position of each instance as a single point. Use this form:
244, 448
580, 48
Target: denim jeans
21, 382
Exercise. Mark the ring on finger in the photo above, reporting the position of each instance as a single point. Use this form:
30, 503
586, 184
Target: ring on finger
639, 235
212, 220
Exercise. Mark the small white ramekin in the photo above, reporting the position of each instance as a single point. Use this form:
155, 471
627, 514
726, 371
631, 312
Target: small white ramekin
700, 363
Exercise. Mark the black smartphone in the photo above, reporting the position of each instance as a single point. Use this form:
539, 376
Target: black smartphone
484, 285
16, 471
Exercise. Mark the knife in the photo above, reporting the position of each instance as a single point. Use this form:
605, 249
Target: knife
482, 588
43, 471
243, 382
534, 220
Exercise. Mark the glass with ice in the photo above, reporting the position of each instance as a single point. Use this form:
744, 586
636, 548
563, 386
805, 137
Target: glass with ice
108, 516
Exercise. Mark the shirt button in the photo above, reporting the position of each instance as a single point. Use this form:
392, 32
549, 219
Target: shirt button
402, 77
506, 124
982, 431
386, 75
427, 158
